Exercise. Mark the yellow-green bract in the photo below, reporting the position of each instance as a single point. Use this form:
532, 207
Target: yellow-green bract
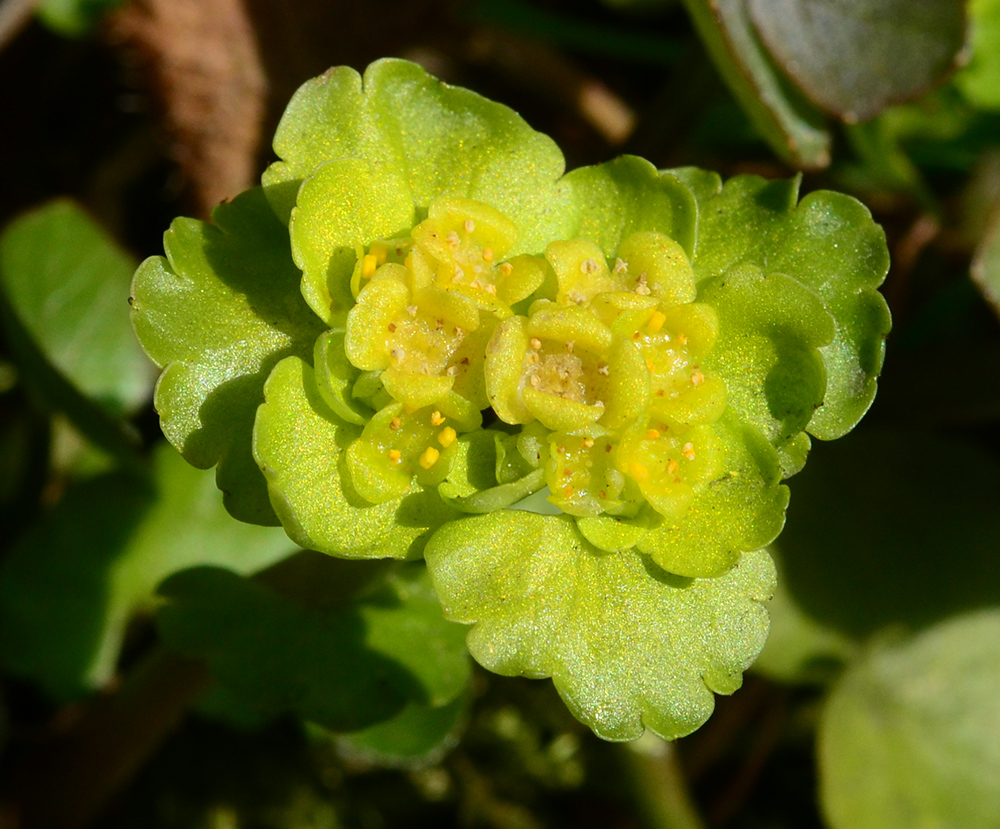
575, 395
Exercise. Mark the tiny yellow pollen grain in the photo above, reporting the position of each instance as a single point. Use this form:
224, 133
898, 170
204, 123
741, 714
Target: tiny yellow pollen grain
587, 443
682, 339
411, 310
570, 345
697, 378
429, 457
588, 266
651, 366
568, 490
491, 289
368, 266
469, 225
488, 254
395, 455
652, 434
506, 268
532, 359
672, 466
656, 321
536, 343
447, 436
688, 451
395, 423
620, 266
453, 239
437, 418
638, 471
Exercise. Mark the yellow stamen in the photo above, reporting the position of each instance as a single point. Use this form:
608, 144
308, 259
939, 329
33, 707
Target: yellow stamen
656, 321
430, 457
437, 418
368, 266
447, 437
488, 254
395, 455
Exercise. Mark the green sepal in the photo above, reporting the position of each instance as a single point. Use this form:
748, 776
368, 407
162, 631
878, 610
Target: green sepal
217, 314
741, 509
300, 445
335, 378
439, 139
627, 645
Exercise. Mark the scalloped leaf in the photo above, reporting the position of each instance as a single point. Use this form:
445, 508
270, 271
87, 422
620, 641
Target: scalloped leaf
628, 195
627, 645
829, 243
433, 138
344, 668
908, 735
75, 579
300, 445
217, 314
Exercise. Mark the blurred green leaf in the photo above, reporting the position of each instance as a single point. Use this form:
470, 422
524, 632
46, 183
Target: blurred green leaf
854, 59
344, 668
417, 736
892, 528
979, 80
74, 18
986, 263
67, 284
908, 737
74, 580
796, 130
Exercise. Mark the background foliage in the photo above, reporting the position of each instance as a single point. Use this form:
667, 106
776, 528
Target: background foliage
874, 702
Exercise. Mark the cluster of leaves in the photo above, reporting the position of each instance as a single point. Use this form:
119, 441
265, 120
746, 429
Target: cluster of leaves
661, 399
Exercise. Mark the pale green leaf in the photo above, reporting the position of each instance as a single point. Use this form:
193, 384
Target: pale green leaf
217, 314
627, 645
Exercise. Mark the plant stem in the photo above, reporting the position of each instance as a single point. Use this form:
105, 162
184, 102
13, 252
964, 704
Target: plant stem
659, 789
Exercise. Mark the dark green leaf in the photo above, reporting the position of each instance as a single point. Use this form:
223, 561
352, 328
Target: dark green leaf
344, 668
855, 58
794, 127
72, 583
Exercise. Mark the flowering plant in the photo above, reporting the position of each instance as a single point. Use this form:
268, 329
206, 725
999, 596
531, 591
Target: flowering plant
575, 396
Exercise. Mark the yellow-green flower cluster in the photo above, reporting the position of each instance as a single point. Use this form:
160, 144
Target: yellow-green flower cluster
604, 358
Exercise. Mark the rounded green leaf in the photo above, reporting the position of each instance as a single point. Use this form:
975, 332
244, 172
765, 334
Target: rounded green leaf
908, 736
217, 314
438, 139
627, 645
300, 445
